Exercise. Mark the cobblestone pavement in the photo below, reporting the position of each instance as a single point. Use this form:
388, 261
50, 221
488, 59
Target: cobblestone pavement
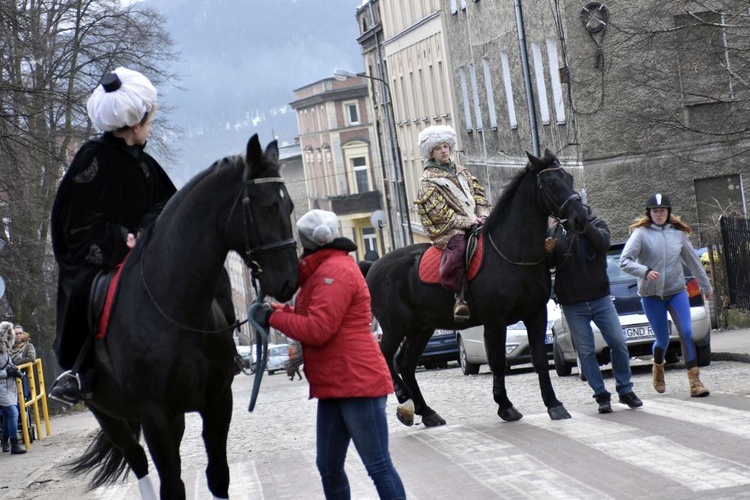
674, 447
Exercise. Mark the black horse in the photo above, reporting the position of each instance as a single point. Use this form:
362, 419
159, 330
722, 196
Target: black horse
169, 349
513, 284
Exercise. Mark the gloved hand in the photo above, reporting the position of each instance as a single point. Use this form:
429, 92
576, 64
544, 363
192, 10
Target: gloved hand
262, 315
12, 371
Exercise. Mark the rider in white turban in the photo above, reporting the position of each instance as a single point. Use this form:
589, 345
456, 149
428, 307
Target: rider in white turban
121, 99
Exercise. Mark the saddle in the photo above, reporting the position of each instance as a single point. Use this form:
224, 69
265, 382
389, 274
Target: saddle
101, 299
429, 263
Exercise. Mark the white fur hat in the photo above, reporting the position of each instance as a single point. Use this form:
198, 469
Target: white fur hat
317, 228
434, 135
7, 336
121, 99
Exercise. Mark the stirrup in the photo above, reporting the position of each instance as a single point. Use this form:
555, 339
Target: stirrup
57, 391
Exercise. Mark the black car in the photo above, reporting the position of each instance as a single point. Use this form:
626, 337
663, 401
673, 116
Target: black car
441, 349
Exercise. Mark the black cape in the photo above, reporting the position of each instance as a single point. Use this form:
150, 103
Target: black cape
111, 189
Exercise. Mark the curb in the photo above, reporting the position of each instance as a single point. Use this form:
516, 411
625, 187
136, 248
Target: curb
730, 356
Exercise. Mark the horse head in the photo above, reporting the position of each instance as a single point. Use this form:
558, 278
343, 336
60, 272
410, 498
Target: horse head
264, 235
556, 190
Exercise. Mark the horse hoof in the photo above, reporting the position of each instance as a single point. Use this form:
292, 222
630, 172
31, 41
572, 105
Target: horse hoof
405, 413
558, 413
509, 414
432, 420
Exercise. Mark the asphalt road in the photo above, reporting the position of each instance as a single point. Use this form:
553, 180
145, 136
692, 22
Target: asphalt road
674, 447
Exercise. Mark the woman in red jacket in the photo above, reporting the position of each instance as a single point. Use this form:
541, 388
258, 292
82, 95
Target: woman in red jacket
343, 363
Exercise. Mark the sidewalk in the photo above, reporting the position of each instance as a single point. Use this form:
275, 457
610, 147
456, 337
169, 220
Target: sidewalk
730, 345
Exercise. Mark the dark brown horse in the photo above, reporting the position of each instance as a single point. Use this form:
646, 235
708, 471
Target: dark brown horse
513, 285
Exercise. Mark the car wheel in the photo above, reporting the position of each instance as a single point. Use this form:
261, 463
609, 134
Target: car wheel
671, 358
467, 367
562, 368
271, 372
703, 354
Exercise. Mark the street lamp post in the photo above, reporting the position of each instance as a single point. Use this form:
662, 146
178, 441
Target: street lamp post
397, 167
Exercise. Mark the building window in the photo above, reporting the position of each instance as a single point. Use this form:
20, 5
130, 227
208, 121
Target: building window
541, 85
554, 77
369, 241
512, 120
454, 7
475, 97
361, 174
352, 113
490, 93
465, 97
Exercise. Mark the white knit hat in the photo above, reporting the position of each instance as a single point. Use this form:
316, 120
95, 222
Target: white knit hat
317, 228
434, 135
121, 99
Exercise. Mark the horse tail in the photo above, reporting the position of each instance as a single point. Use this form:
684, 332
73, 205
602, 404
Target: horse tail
105, 457
364, 266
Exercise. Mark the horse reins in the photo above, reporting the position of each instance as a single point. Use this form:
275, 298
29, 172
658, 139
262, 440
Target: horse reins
557, 214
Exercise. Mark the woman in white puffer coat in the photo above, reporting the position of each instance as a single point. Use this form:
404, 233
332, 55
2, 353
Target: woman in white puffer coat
9, 391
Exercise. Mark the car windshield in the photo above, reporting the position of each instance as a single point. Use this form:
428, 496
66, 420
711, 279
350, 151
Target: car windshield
278, 351
616, 275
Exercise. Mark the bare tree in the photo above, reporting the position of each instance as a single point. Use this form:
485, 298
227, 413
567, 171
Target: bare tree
52, 54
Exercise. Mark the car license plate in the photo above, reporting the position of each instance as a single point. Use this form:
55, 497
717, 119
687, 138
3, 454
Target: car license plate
548, 338
638, 332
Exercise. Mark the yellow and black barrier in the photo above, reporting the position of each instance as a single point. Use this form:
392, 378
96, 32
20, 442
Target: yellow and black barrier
35, 375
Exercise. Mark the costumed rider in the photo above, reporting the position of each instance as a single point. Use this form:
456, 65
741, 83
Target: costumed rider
450, 202
112, 193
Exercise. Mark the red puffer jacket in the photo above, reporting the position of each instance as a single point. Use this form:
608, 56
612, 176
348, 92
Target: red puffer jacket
331, 319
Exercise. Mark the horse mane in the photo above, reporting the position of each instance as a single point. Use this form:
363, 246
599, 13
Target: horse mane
506, 197
177, 199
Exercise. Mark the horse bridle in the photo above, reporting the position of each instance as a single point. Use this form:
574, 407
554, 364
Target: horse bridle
249, 221
557, 214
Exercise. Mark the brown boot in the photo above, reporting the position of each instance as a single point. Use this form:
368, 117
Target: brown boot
696, 387
658, 374
460, 309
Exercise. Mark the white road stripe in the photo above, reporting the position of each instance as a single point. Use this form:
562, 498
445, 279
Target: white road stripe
729, 420
655, 453
501, 468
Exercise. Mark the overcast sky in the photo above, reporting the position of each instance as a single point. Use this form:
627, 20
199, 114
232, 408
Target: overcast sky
241, 60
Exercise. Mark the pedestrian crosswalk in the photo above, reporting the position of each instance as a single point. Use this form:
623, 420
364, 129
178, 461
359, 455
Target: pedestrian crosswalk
670, 448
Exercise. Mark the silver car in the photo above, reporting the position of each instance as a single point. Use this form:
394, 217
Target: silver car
472, 352
638, 334
278, 355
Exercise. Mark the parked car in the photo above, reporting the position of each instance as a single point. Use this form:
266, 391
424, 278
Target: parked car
278, 355
440, 350
246, 353
635, 325
472, 353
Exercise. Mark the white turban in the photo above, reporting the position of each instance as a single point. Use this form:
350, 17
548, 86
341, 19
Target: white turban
317, 228
122, 105
434, 135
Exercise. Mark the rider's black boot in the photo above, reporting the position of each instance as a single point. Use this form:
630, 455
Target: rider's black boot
66, 389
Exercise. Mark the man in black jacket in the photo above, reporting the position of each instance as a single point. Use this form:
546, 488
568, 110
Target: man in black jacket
582, 289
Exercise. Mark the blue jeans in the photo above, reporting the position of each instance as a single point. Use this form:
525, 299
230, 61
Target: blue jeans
363, 421
603, 313
10, 421
678, 307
